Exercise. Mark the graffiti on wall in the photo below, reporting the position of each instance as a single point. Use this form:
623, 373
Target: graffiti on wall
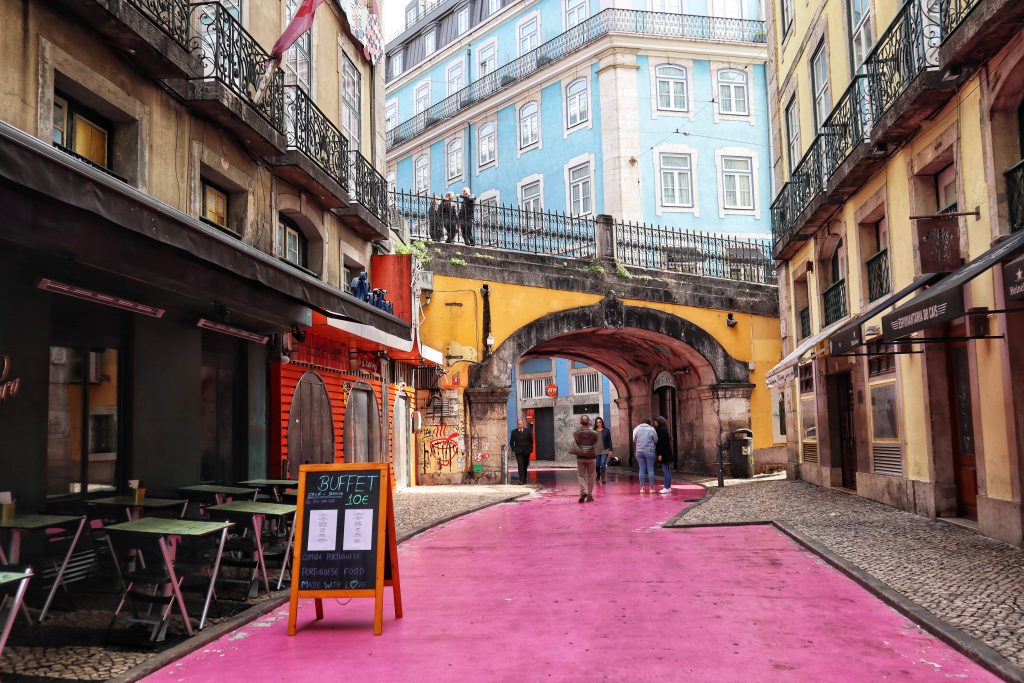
442, 439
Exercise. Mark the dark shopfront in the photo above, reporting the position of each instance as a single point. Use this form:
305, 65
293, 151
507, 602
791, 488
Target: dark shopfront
108, 300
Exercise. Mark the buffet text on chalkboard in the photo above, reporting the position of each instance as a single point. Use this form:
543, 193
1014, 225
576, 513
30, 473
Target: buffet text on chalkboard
347, 545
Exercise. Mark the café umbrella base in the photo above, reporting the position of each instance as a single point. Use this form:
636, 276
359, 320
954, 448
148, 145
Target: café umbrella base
346, 545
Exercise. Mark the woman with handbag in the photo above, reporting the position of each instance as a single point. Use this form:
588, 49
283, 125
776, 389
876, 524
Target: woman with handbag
604, 449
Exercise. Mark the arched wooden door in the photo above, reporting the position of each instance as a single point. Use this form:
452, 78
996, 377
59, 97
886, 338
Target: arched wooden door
401, 441
362, 425
310, 425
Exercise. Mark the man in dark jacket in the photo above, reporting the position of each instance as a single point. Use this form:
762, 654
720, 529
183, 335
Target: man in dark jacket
520, 442
449, 217
666, 455
466, 216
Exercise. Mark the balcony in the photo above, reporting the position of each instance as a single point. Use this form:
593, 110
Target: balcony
154, 32
834, 299
805, 322
1015, 196
227, 81
367, 211
878, 275
317, 155
879, 110
975, 30
607, 22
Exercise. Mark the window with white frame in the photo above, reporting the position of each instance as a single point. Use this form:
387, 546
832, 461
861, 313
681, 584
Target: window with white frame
411, 15
351, 100
391, 115
297, 63
580, 199
453, 157
493, 6
529, 35
429, 42
421, 98
456, 77
462, 21
533, 387
676, 180
673, 6
577, 103
529, 196
792, 134
488, 143
586, 383
487, 59
787, 16
738, 183
819, 85
529, 125
397, 64
671, 86
732, 92
575, 12
421, 174
862, 36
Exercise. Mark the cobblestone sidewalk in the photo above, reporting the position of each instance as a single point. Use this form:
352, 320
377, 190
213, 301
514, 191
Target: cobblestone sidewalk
69, 646
965, 579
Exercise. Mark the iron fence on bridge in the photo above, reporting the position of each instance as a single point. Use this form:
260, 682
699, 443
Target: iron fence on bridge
552, 233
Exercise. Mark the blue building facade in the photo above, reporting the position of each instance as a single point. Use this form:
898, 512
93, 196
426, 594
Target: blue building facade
648, 110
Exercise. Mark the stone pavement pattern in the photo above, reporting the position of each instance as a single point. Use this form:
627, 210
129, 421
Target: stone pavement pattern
965, 579
549, 589
69, 647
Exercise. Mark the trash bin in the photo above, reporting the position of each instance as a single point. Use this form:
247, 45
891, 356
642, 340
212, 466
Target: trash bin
741, 454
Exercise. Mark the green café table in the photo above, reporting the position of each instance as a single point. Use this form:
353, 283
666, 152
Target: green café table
168, 531
273, 484
255, 513
22, 579
24, 524
134, 509
221, 494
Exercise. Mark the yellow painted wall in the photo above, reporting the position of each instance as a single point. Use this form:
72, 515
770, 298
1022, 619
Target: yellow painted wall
755, 338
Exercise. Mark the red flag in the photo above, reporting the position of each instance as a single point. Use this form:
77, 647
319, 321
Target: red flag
300, 23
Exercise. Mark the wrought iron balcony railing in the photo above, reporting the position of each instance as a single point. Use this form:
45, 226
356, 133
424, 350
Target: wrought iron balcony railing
847, 126
503, 227
1015, 196
659, 24
309, 131
367, 186
834, 299
805, 322
878, 275
953, 12
697, 253
170, 16
231, 56
907, 48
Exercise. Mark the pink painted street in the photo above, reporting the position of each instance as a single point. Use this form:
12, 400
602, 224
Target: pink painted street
549, 589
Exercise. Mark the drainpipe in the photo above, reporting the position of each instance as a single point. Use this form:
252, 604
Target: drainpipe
488, 339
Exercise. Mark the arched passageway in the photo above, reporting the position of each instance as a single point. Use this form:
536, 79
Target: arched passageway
640, 350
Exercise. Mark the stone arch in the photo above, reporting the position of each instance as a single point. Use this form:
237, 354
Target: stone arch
710, 360
309, 217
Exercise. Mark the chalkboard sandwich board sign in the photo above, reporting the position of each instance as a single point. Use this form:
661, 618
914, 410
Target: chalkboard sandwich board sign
347, 544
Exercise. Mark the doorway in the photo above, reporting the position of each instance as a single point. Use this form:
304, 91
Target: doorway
544, 433
665, 400
962, 431
362, 425
847, 434
400, 441
310, 425
219, 405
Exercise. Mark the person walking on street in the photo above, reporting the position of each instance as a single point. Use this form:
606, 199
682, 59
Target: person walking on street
604, 449
666, 454
585, 449
645, 443
449, 217
466, 216
520, 442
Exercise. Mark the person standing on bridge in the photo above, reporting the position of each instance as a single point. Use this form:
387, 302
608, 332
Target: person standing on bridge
449, 217
520, 441
665, 454
467, 203
604, 449
585, 449
645, 443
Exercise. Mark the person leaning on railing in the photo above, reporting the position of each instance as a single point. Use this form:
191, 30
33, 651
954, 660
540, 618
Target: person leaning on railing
466, 216
449, 214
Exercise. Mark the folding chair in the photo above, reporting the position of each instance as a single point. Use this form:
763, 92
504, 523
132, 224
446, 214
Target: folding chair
239, 553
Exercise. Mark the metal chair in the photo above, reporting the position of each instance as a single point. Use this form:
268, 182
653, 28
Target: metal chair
149, 581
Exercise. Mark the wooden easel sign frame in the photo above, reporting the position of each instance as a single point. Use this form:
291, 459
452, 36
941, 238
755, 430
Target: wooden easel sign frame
345, 540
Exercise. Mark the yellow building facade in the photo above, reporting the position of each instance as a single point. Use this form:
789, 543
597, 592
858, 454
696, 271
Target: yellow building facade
898, 135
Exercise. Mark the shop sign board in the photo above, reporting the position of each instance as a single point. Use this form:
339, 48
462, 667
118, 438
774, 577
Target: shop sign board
1013, 279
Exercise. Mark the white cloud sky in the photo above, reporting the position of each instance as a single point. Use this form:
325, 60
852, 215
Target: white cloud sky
392, 19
